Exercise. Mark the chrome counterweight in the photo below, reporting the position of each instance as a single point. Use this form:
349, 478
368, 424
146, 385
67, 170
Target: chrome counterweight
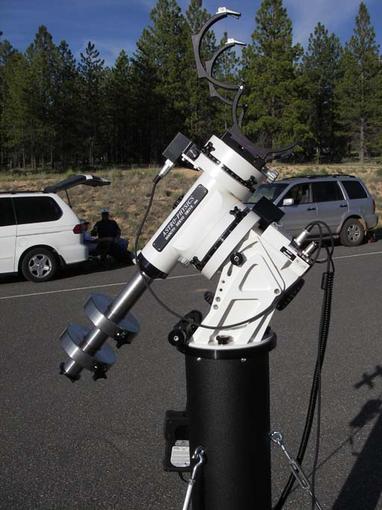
111, 318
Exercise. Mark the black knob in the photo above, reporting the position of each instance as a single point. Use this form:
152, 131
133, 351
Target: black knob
177, 337
122, 338
209, 297
237, 258
99, 371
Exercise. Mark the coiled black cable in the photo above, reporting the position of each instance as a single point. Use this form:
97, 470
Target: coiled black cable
327, 285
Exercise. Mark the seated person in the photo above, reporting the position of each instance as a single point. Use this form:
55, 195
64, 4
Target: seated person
105, 228
109, 237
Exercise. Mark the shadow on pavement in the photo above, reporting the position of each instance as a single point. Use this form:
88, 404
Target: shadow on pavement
363, 486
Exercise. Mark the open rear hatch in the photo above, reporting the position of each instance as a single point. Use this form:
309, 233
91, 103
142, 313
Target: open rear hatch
76, 180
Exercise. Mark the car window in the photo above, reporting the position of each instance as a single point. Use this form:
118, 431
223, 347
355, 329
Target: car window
270, 191
326, 191
36, 209
300, 194
354, 189
7, 216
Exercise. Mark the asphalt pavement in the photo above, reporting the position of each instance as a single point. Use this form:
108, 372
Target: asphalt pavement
100, 445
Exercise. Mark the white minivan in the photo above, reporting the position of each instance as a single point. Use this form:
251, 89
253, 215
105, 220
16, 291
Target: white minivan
39, 232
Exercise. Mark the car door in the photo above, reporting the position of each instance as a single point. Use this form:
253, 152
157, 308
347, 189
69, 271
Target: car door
298, 207
332, 207
7, 235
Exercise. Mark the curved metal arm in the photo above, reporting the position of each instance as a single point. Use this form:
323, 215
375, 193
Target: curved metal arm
210, 65
209, 69
206, 71
235, 104
244, 109
223, 12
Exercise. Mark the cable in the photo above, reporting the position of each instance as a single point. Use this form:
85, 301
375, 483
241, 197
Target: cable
315, 392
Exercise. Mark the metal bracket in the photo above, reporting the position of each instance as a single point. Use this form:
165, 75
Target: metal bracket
200, 457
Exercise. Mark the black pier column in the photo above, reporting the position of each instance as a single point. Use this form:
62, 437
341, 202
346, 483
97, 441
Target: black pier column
228, 410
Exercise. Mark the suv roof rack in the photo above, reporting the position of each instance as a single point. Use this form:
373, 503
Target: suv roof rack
317, 176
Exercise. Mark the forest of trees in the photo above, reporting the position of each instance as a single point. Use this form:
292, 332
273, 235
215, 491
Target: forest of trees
57, 113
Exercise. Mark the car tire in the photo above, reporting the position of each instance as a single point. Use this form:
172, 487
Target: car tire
352, 233
39, 265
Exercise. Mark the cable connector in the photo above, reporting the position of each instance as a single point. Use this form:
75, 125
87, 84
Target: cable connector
164, 170
172, 153
301, 238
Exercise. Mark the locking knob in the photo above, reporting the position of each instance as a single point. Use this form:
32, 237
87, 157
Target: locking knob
237, 258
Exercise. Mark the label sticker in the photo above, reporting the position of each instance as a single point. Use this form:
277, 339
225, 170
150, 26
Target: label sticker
186, 208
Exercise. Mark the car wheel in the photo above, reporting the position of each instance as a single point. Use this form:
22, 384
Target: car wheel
352, 233
39, 265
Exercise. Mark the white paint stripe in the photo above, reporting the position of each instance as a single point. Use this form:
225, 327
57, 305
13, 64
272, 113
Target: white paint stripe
76, 289
358, 255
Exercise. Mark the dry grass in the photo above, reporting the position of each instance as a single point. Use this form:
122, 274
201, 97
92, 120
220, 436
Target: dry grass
126, 197
129, 192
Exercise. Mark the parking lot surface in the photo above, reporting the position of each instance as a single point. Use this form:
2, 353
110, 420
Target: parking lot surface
100, 444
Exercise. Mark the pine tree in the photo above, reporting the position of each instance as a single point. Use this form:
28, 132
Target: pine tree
14, 118
66, 106
92, 95
321, 64
161, 59
119, 108
276, 105
359, 92
6, 53
41, 58
145, 101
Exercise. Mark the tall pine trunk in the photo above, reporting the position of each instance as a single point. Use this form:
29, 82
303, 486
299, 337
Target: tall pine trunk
362, 141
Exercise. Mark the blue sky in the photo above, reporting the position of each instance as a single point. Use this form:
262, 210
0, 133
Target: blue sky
117, 24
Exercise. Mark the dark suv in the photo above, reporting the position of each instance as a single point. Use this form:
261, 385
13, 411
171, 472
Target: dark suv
341, 201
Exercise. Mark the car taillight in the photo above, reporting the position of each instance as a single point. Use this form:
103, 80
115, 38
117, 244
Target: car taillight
77, 229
